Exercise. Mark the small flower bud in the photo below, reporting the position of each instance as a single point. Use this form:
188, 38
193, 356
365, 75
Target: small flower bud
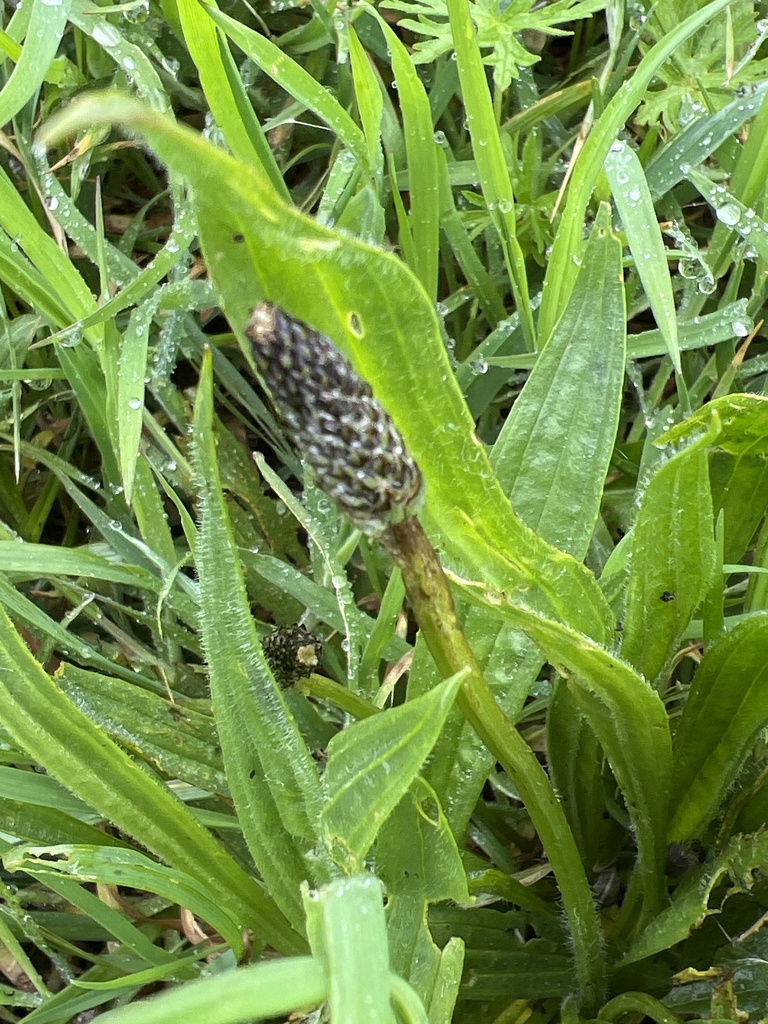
347, 437
292, 653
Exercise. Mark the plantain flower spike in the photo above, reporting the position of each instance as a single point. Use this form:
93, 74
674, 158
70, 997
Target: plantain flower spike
357, 453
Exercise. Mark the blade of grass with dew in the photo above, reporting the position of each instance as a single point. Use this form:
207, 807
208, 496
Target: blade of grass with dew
747, 181
370, 104
273, 779
351, 617
483, 286
42, 720
46, 26
35, 560
732, 213
489, 156
698, 141
297, 82
226, 96
421, 155
131, 60
561, 270
700, 332
633, 201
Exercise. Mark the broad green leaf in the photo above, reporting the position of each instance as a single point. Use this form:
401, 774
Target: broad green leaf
112, 866
416, 853
369, 303
371, 765
347, 932
419, 863
575, 760
555, 447
726, 708
551, 458
672, 559
271, 774
48, 826
633, 201
499, 965
740, 490
58, 736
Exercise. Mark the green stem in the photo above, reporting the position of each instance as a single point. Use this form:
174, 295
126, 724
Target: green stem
341, 696
432, 601
638, 1002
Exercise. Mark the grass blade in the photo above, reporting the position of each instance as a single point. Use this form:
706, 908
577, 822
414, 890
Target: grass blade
633, 201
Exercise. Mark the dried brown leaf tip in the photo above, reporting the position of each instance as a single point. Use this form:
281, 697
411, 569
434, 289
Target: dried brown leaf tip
347, 437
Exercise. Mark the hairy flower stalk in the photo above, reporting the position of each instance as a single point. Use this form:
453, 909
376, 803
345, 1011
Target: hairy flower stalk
362, 463
347, 437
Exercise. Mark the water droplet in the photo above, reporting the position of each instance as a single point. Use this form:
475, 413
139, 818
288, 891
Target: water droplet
134, 403
105, 34
729, 214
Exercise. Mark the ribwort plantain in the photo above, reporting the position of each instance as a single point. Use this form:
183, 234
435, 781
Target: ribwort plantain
357, 453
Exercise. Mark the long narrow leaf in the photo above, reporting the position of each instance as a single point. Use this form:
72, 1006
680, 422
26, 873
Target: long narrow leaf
272, 777
60, 738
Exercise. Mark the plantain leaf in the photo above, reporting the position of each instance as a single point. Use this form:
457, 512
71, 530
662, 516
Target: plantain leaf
726, 708
672, 559
372, 764
271, 775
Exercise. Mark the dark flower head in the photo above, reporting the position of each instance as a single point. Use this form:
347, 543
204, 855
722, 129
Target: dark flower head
293, 653
347, 437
